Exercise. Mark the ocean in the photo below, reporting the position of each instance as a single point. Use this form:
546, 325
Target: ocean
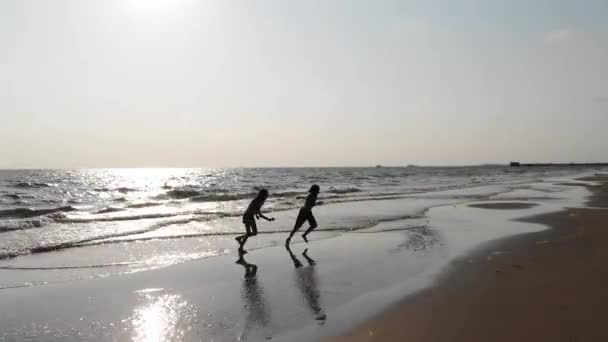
61, 225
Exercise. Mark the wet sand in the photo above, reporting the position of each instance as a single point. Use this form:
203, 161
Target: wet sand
316, 290
286, 295
546, 286
503, 205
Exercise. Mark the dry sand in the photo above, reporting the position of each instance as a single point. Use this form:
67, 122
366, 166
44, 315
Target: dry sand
546, 286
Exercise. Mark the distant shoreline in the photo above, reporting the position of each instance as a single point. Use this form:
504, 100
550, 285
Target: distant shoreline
518, 164
511, 164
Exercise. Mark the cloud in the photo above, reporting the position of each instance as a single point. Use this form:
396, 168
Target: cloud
558, 36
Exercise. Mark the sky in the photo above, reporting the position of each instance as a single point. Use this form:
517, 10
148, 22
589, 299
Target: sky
227, 83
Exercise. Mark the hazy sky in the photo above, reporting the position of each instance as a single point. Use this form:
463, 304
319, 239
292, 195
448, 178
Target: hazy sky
113, 83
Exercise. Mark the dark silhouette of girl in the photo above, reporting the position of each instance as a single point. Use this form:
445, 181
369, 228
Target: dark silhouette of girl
253, 212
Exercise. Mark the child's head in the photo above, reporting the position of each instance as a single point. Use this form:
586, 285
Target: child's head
314, 189
263, 193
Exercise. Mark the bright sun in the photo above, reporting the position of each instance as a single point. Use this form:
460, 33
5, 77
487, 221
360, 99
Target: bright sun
153, 5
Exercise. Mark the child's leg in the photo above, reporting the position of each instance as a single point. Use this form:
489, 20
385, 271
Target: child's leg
296, 227
252, 230
240, 238
299, 221
313, 224
243, 238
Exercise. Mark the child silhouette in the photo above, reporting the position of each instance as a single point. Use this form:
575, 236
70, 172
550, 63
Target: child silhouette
253, 212
305, 214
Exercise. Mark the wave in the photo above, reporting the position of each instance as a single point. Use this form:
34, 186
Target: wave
182, 236
28, 185
125, 190
12, 225
206, 196
59, 246
181, 193
109, 210
204, 214
80, 243
344, 190
42, 268
221, 197
288, 194
136, 235
27, 212
224, 195
354, 229
143, 205
122, 190
120, 218
114, 237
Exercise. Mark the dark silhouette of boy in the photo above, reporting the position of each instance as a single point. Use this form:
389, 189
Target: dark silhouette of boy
305, 214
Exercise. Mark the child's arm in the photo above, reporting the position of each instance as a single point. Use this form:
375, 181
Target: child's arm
259, 214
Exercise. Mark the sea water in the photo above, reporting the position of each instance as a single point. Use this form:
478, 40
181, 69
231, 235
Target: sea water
60, 225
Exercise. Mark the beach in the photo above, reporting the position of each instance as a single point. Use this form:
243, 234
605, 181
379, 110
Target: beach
544, 286
426, 265
302, 171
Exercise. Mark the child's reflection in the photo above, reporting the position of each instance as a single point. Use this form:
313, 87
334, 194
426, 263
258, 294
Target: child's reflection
306, 280
256, 310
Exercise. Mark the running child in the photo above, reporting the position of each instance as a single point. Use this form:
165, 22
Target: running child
252, 213
305, 214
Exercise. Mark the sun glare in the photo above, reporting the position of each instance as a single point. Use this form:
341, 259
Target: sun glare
153, 5
166, 317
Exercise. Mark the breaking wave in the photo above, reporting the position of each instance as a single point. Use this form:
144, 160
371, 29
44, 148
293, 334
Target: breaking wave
122, 190
28, 185
110, 210
27, 212
12, 225
344, 190
132, 236
143, 205
221, 197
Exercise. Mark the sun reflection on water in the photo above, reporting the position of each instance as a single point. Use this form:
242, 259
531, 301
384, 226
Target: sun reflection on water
162, 317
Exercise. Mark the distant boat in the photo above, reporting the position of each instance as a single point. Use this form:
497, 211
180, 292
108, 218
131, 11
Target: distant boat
378, 166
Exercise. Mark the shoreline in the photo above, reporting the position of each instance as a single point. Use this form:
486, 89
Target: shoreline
353, 277
547, 285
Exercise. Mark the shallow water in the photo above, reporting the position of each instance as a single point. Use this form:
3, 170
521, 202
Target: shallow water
340, 279
61, 225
